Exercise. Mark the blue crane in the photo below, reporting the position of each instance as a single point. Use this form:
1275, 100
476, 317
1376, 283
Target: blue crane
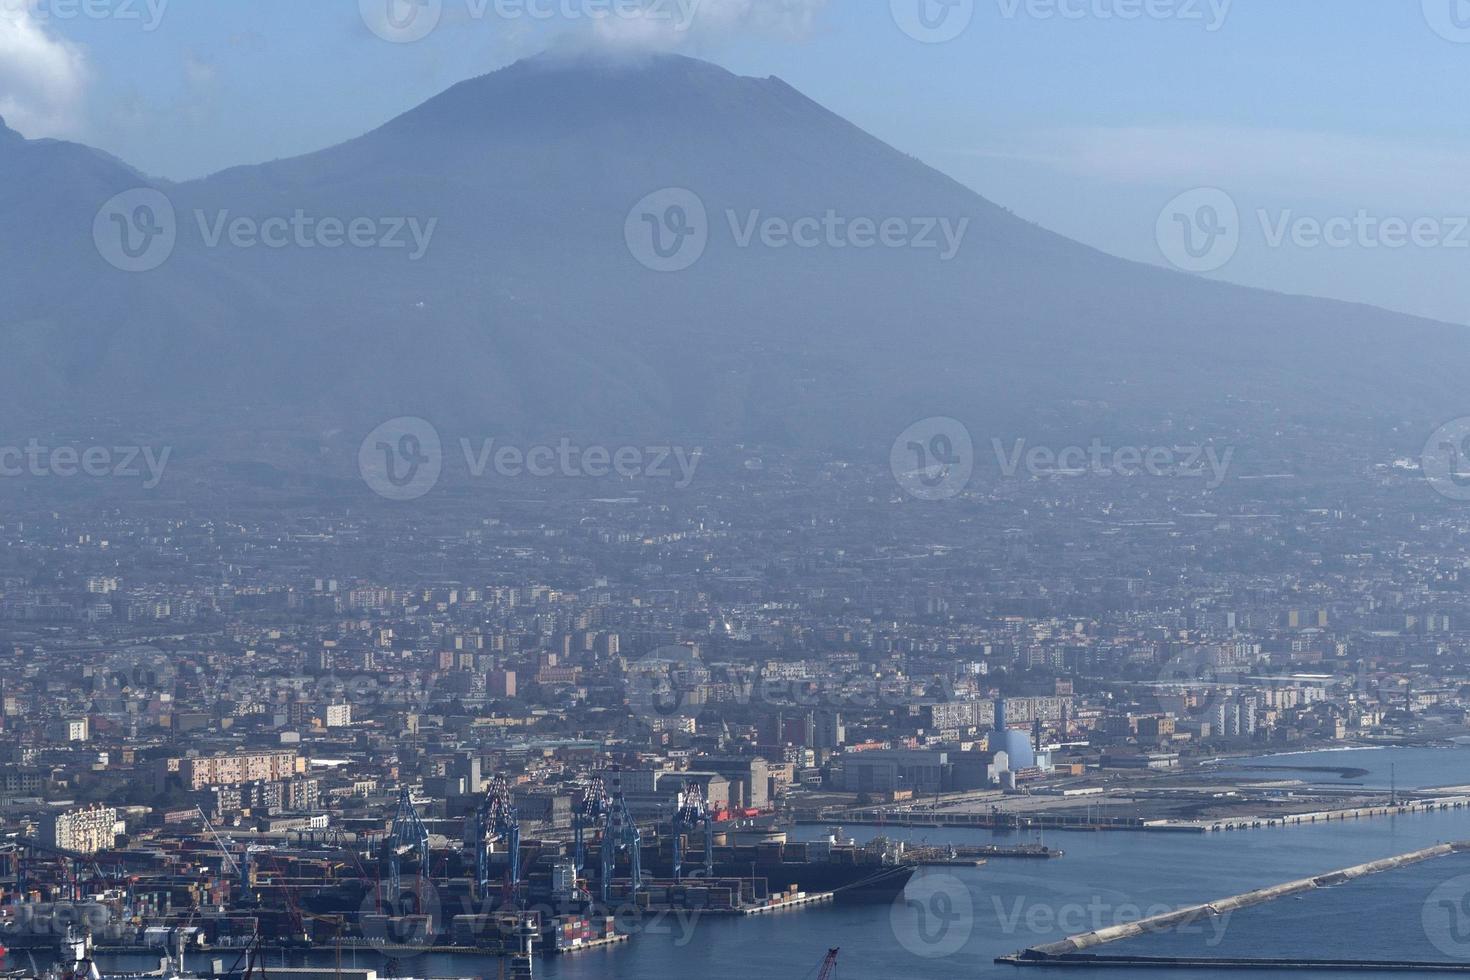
591, 814
496, 821
692, 814
408, 832
620, 833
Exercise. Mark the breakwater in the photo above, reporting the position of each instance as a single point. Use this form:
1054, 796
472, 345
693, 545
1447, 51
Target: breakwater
1072, 951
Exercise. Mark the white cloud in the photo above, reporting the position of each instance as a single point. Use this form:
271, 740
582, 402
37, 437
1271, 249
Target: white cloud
668, 25
42, 77
1365, 170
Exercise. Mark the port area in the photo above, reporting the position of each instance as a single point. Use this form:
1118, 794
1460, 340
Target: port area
783, 903
1073, 952
582, 946
1221, 795
1320, 816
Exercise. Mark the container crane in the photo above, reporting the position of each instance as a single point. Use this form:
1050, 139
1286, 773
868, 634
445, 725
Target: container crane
496, 821
408, 833
591, 813
620, 833
692, 814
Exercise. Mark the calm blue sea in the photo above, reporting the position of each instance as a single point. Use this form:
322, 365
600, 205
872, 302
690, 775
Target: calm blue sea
1411, 768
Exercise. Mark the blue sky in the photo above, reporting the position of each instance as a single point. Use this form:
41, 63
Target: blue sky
1087, 116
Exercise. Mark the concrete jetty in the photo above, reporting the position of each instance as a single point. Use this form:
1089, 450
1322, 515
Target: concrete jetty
1431, 805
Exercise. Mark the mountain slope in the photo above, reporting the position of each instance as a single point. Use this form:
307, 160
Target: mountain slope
529, 313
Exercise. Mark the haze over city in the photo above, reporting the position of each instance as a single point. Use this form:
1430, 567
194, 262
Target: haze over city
653, 488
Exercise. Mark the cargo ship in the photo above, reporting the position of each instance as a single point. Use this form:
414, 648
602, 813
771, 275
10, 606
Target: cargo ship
851, 872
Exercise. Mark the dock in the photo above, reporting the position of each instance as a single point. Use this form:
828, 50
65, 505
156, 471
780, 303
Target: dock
587, 944
1227, 824
780, 903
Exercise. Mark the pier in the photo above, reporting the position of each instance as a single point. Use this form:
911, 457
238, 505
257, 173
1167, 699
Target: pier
983, 821
1011, 821
1320, 816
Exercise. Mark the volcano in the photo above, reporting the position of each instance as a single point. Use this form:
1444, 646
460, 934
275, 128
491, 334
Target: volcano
652, 247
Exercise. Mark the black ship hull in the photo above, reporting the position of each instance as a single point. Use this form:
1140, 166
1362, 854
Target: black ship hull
847, 882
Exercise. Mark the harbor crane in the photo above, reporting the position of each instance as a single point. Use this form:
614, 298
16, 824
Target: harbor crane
241, 868
408, 834
829, 965
620, 833
591, 813
496, 822
692, 814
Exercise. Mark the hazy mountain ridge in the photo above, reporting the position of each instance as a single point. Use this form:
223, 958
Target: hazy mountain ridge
528, 313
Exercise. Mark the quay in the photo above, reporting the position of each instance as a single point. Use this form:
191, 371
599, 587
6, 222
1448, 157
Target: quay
1321, 816
614, 940
1042, 822
981, 821
779, 903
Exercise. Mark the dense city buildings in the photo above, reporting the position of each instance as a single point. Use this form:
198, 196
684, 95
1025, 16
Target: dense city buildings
269, 693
